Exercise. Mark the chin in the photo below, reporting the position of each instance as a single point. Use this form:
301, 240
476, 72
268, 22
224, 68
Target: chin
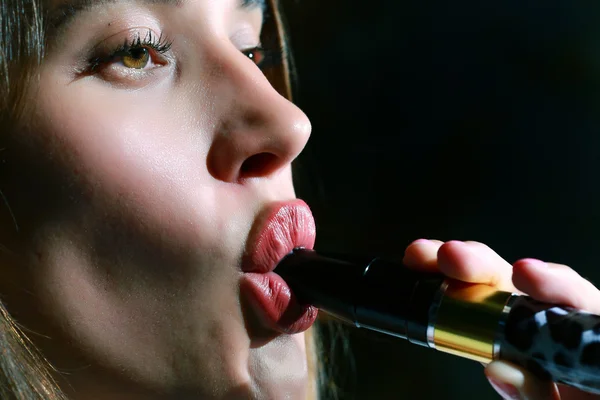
275, 370
279, 369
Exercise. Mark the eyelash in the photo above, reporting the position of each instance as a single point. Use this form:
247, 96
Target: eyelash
161, 45
270, 57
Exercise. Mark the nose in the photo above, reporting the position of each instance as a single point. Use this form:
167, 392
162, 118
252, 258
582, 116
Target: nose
259, 132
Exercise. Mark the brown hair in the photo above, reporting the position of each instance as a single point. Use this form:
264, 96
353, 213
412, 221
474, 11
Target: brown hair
21, 50
24, 373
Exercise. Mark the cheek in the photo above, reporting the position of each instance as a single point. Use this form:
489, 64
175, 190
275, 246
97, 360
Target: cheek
135, 193
120, 136
138, 236
130, 150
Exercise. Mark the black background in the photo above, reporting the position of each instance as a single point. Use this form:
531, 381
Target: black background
449, 120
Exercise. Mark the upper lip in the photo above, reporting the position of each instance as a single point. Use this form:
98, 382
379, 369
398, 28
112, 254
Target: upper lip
277, 230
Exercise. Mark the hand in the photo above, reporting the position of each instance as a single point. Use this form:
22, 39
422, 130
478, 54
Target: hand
553, 283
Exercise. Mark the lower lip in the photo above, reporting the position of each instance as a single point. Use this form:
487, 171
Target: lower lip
273, 300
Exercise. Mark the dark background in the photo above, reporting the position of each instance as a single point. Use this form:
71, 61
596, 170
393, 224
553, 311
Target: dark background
450, 120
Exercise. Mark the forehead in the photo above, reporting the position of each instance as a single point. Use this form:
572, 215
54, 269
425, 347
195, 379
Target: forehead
61, 12
52, 4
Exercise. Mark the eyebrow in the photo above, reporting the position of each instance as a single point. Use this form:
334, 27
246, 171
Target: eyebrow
63, 14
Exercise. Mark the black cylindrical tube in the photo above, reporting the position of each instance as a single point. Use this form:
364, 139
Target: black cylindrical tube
396, 300
375, 294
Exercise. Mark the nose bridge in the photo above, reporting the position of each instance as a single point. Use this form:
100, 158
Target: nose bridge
253, 92
259, 131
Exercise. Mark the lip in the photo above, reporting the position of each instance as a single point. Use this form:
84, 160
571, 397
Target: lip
279, 229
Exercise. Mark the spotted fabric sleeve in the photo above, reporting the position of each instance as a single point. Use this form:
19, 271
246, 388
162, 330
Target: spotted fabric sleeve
557, 343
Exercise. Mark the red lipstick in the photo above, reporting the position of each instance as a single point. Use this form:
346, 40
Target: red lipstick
278, 230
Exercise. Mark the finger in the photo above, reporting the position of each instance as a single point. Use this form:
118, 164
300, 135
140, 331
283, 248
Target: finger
422, 254
513, 382
476, 263
555, 283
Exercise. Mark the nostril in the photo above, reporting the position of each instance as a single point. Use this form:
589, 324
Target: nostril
258, 165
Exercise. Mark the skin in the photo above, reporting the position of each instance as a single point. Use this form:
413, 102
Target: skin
133, 205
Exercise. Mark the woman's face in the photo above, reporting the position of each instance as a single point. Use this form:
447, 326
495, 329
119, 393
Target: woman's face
152, 168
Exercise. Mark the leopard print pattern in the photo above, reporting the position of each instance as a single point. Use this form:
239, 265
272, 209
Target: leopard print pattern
557, 343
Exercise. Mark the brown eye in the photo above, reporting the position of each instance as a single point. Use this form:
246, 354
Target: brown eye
137, 58
256, 54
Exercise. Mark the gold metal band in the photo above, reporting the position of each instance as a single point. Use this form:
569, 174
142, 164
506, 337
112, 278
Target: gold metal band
467, 320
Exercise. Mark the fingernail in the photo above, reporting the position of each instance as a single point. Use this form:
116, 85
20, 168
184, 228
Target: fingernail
534, 262
426, 242
459, 243
505, 390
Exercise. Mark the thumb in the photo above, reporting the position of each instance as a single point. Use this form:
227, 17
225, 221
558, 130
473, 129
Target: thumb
514, 383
